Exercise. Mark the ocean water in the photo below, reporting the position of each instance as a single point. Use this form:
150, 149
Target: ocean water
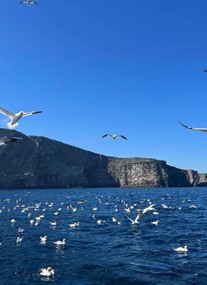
104, 252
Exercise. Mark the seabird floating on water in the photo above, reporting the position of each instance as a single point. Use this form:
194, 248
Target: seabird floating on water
28, 2
194, 129
114, 136
59, 242
47, 272
14, 118
181, 249
6, 140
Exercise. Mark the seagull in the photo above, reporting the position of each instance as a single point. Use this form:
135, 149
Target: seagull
19, 239
114, 136
59, 242
155, 222
140, 214
205, 70
47, 272
43, 239
28, 2
181, 249
134, 222
74, 225
194, 129
6, 140
14, 118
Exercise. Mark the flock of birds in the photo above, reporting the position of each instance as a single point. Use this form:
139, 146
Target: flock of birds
14, 121
119, 211
15, 117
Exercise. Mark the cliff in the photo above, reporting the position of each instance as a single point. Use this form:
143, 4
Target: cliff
39, 162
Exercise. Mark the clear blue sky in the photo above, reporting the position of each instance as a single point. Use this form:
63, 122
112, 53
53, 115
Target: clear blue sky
125, 66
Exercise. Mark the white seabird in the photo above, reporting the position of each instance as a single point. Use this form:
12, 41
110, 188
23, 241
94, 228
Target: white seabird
19, 239
59, 242
47, 272
194, 129
155, 222
181, 249
6, 140
28, 2
114, 136
14, 118
140, 214
74, 225
43, 239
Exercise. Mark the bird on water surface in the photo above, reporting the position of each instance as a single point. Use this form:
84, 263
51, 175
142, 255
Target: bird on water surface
47, 272
181, 249
14, 118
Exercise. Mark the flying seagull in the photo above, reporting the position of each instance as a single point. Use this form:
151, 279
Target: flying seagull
140, 214
14, 118
28, 2
205, 70
114, 136
6, 140
194, 129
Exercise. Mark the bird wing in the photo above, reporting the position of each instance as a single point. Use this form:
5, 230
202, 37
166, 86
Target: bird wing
194, 129
106, 135
123, 137
138, 217
31, 113
7, 113
150, 208
132, 221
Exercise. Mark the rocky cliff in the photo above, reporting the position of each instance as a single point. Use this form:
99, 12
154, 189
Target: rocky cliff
39, 162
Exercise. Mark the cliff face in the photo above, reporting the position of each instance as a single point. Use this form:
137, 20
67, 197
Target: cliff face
38, 162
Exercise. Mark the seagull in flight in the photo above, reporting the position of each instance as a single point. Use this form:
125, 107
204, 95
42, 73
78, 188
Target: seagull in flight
140, 214
28, 2
14, 118
194, 129
6, 140
114, 136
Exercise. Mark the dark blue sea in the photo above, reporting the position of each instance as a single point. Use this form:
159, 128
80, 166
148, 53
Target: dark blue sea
103, 247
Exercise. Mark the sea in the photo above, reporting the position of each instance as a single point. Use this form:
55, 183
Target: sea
102, 246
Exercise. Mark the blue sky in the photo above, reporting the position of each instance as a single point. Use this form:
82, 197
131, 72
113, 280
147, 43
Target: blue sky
125, 66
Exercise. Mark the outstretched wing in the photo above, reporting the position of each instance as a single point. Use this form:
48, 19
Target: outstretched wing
150, 208
130, 219
107, 135
31, 113
7, 113
194, 129
123, 137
